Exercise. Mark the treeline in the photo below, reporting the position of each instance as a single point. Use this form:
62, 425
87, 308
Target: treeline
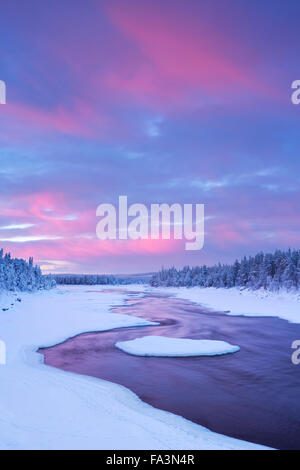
93, 279
18, 274
271, 271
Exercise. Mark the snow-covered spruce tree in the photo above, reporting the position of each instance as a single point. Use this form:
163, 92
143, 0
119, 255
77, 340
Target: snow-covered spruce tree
272, 271
18, 274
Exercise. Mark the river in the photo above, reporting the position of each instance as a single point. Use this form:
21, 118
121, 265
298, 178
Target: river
251, 395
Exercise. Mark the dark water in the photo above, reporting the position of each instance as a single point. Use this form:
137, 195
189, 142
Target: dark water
253, 394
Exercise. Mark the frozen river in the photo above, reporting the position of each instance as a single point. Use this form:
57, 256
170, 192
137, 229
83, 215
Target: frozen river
251, 395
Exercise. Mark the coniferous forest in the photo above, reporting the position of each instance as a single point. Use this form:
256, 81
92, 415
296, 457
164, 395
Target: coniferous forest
93, 279
268, 271
18, 274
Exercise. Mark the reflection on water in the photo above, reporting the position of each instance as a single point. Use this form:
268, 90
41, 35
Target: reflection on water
251, 395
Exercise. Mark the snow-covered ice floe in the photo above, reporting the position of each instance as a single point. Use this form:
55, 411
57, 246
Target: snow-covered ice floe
46, 408
175, 347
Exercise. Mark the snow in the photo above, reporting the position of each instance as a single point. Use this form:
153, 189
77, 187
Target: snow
6, 300
235, 301
45, 408
175, 347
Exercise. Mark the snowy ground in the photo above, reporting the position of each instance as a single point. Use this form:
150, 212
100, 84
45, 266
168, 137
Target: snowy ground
44, 408
259, 303
175, 347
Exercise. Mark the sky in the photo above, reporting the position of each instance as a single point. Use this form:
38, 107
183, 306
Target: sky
165, 102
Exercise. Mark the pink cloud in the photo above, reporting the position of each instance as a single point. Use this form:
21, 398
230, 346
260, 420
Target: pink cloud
87, 250
82, 120
69, 238
179, 58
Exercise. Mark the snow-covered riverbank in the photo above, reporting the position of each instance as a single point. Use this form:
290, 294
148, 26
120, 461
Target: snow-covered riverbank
45, 408
235, 301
